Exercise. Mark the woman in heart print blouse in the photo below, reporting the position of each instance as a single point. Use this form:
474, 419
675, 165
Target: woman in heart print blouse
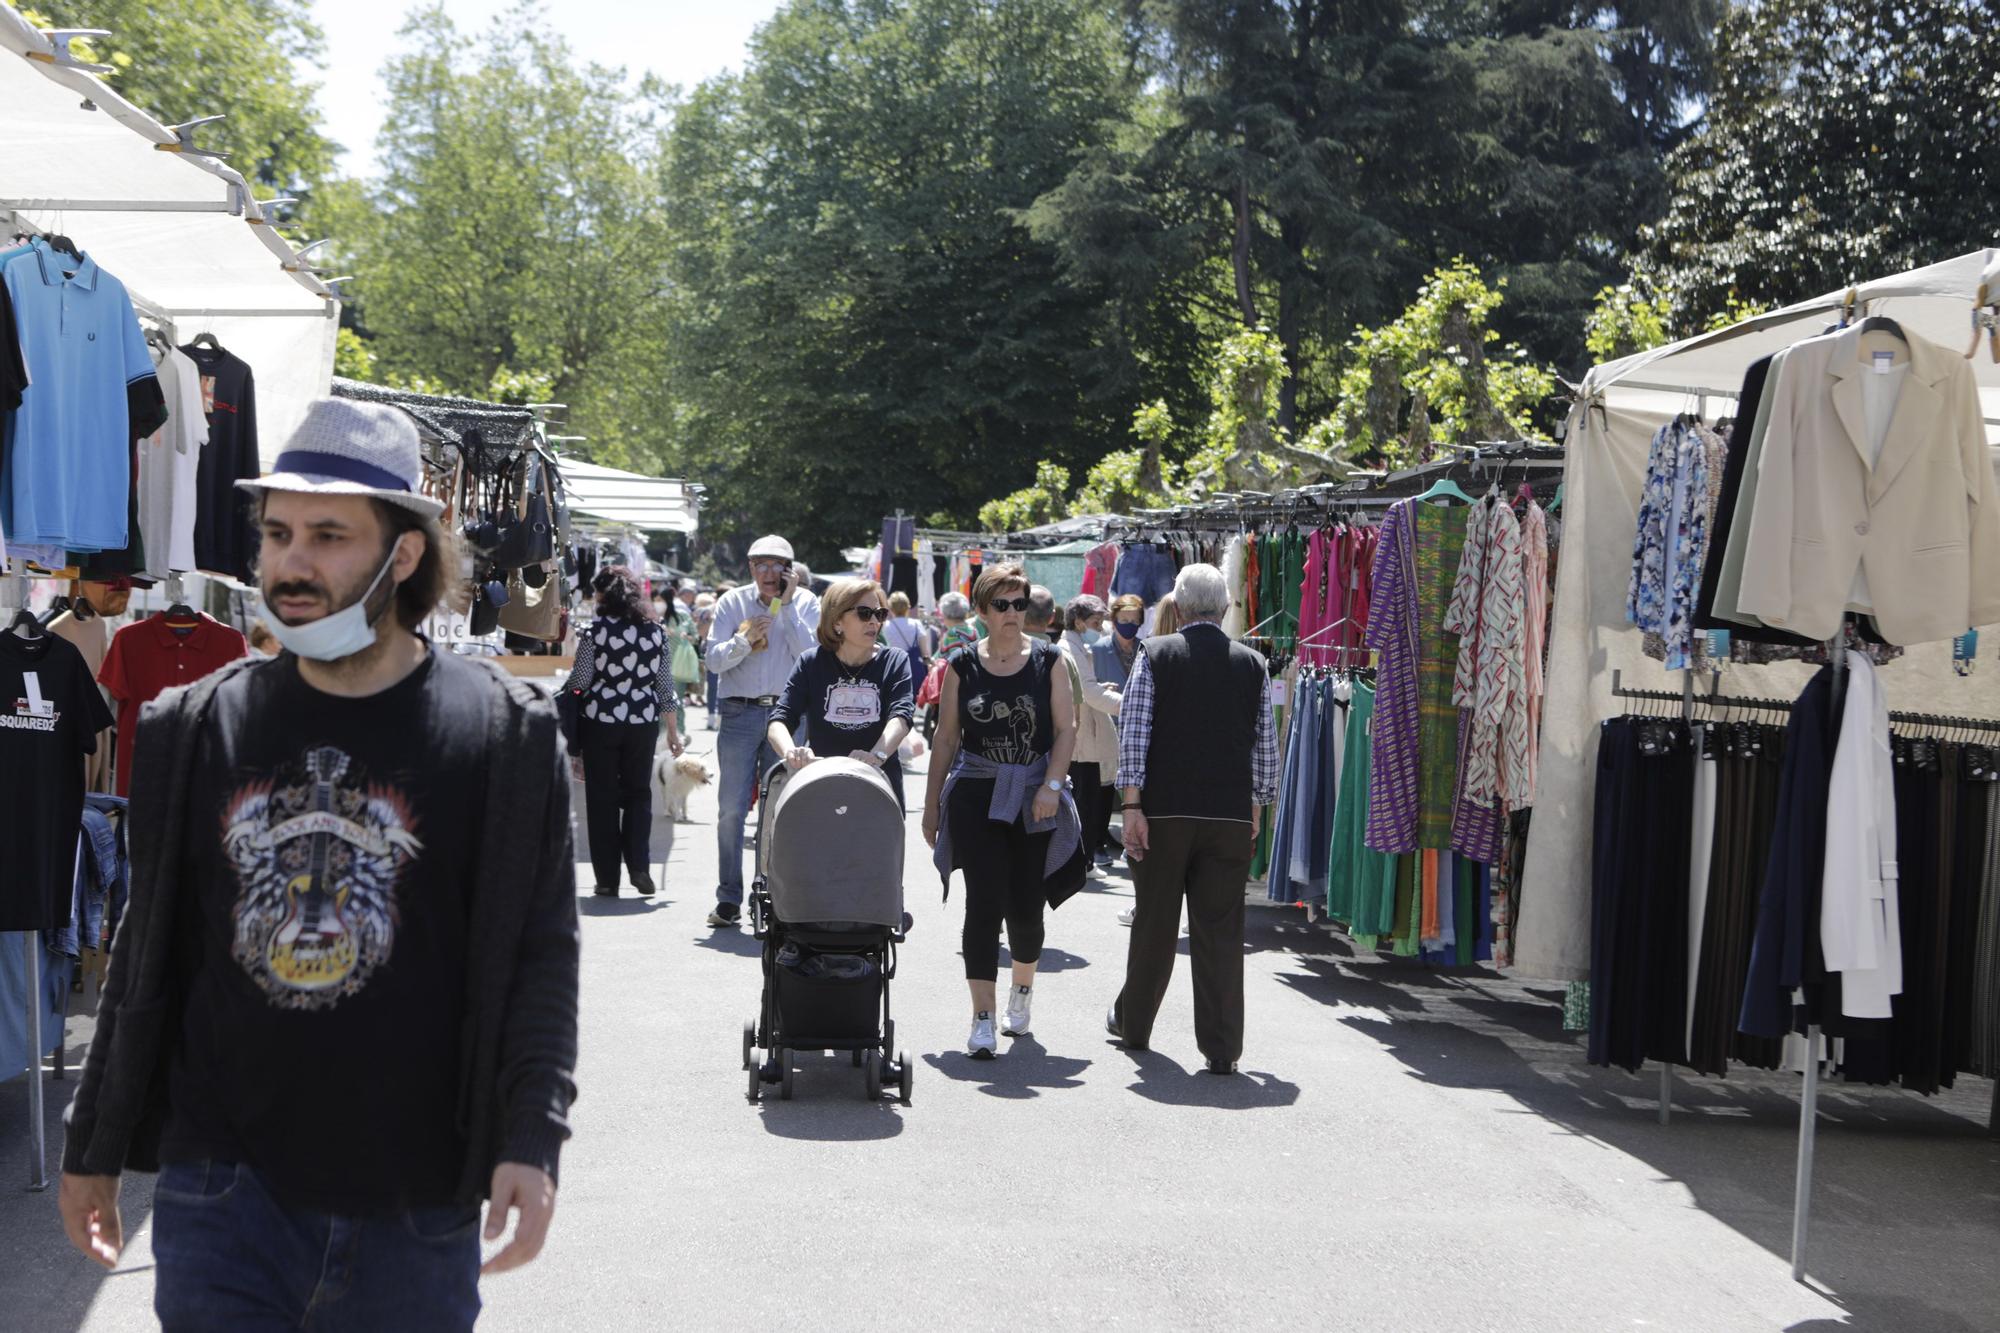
625, 677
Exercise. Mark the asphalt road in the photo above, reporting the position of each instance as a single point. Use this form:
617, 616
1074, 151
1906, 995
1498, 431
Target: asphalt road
1406, 1149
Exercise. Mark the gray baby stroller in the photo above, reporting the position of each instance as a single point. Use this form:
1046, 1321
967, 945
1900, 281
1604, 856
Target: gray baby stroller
827, 902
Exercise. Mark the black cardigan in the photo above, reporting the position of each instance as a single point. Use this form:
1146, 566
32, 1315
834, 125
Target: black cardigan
518, 1056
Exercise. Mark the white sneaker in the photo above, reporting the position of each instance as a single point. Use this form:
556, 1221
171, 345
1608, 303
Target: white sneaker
1125, 917
1018, 1001
982, 1045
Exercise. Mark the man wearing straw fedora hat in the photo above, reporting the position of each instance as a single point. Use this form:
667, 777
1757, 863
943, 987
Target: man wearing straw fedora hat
341, 1009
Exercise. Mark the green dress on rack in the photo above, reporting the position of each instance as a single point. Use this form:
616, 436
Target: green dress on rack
1361, 882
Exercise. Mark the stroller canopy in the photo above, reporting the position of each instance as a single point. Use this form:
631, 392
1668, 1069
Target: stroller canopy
835, 840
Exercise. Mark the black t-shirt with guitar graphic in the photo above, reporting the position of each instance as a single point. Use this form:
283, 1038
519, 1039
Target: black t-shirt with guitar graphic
327, 943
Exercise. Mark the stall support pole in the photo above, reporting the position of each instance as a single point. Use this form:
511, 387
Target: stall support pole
1808, 1122
38, 1166
1666, 1067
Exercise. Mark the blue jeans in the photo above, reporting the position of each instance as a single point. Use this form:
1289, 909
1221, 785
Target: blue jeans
228, 1255
744, 756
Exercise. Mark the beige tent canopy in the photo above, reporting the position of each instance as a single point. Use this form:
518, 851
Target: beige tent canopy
1609, 435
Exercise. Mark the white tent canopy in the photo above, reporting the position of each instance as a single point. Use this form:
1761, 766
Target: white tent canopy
1609, 438
655, 504
180, 230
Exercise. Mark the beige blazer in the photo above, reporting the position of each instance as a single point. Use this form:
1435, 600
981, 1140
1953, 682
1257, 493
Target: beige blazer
1923, 521
1096, 734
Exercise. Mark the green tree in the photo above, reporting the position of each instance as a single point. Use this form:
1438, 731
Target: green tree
235, 58
1044, 502
861, 319
1846, 139
513, 245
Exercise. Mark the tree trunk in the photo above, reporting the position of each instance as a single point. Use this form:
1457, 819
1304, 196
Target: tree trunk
1241, 255
1289, 336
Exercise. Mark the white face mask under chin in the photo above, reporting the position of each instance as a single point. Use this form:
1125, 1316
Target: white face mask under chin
332, 637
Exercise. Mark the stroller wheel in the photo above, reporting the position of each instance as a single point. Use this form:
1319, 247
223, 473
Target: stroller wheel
755, 1079
749, 1044
871, 1074
903, 1063
788, 1063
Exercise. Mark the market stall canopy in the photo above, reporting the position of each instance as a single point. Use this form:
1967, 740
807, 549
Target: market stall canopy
449, 420
655, 504
1934, 302
178, 228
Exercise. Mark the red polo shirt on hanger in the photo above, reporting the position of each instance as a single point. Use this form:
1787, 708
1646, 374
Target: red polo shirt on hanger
147, 657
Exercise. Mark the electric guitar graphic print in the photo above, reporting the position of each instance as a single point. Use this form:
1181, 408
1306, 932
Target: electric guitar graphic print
318, 852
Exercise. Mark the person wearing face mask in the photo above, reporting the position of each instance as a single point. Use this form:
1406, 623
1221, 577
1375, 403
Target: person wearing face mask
1097, 733
850, 695
755, 640
341, 1007
1112, 658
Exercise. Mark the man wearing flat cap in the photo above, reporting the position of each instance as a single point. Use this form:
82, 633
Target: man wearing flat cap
756, 637
341, 1008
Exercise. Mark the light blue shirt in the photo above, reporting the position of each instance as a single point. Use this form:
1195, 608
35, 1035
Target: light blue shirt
68, 473
742, 674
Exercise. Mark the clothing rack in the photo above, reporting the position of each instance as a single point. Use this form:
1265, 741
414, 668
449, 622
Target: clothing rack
1539, 465
1809, 1098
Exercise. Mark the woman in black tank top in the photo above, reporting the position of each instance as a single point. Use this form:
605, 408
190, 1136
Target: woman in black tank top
1000, 707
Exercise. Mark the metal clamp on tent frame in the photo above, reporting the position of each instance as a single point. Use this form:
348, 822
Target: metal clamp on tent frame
64, 58
184, 140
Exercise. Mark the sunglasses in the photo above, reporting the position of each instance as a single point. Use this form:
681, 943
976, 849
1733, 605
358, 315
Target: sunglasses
879, 614
1004, 604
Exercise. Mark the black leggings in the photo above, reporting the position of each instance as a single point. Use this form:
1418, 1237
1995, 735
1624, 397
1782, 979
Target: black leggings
618, 797
1003, 881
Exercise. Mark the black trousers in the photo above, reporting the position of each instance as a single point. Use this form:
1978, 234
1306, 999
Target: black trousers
1206, 862
1003, 882
1093, 805
618, 797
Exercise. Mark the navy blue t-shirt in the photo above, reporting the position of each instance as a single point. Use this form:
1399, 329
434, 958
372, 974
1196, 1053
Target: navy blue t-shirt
838, 709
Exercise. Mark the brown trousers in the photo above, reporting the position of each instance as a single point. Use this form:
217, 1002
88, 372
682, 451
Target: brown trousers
1206, 862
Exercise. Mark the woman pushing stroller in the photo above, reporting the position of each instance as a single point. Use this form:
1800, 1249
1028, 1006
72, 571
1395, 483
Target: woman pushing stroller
853, 695
997, 804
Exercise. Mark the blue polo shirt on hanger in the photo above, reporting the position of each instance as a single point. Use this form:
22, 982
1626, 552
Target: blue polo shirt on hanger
67, 476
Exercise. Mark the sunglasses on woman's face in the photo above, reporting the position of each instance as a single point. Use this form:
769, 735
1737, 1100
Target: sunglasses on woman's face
879, 614
1005, 604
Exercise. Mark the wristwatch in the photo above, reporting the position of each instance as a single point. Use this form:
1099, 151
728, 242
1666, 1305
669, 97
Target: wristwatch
1054, 784
880, 758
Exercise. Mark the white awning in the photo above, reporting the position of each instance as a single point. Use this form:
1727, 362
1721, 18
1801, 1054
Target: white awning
179, 230
656, 504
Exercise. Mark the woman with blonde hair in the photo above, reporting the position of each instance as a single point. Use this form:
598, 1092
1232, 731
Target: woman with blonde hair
850, 695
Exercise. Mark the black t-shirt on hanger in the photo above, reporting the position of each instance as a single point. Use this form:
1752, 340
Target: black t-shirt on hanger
50, 715
223, 540
13, 370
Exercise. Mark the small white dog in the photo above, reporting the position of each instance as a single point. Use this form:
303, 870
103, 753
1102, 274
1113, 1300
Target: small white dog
674, 780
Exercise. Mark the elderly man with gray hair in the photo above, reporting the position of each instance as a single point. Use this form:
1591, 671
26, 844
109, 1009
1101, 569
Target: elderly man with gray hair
1197, 764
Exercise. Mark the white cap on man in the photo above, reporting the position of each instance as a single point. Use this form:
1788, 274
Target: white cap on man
773, 546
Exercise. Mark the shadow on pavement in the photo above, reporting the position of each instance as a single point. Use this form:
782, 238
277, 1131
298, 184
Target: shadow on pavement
1903, 1225
1053, 960
724, 939
1023, 1069
828, 1105
589, 904
1163, 1079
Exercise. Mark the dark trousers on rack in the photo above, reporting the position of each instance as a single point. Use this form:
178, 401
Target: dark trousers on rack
618, 798
1205, 862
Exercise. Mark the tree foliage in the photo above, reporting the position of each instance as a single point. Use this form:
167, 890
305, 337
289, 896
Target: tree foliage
196, 58
512, 247
1845, 139
861, 319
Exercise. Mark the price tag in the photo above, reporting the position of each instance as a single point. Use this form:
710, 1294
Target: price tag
1280, 695
1718, 644
1964, 649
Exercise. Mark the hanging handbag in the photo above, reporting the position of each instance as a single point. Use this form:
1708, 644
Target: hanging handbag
531, 611
524, 536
